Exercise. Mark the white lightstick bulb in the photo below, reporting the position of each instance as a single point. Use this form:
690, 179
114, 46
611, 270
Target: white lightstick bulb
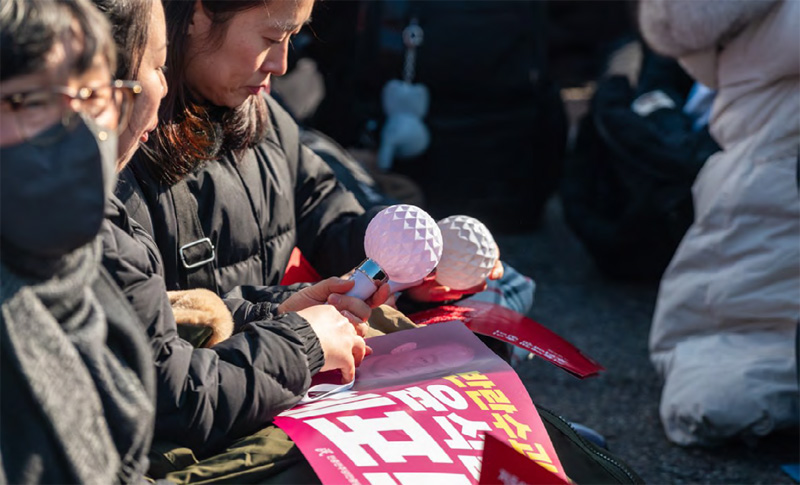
403, 243
469, 255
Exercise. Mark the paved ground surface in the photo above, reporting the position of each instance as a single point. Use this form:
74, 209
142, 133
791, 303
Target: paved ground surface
609, 321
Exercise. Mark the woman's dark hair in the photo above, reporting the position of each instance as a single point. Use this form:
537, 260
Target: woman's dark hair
29, 29
190, 133
130, 21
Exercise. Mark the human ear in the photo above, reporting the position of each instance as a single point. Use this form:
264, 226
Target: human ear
200, 20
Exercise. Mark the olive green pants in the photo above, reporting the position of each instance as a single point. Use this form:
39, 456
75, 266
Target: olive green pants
266, 457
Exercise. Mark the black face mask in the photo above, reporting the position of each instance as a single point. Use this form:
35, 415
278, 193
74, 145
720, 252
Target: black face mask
52, 196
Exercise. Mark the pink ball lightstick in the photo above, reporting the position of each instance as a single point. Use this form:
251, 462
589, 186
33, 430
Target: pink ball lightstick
468, 256
469, 253
403, 243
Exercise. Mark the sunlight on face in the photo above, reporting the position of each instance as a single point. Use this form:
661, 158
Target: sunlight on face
253, 48
144, 118
20, 123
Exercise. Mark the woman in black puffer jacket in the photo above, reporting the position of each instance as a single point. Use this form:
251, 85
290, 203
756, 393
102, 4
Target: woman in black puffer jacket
208, 397
227, 148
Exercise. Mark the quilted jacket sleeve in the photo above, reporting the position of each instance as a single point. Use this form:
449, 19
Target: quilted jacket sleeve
248, 303
330, 221
209, 397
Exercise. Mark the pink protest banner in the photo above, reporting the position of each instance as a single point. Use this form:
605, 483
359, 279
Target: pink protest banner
509, 326
418, 412
502, 464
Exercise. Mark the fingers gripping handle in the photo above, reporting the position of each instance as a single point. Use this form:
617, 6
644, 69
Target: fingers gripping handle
367, 276
364, 286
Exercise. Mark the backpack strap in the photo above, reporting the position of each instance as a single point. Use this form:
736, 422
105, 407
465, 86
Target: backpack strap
196, 252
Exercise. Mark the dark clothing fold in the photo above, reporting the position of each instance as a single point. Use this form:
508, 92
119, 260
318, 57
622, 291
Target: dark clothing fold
77, 379
209, 397
255, 206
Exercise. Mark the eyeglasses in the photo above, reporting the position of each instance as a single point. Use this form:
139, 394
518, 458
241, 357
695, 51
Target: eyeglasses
109, 105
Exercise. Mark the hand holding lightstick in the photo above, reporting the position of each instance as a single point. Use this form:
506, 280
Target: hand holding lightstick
403, 243
468, 256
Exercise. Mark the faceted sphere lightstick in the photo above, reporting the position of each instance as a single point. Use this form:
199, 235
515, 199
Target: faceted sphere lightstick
403, 243
469, 255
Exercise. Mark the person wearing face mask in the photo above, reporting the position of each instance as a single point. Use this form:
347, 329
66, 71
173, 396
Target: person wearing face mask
77, 379
209, 397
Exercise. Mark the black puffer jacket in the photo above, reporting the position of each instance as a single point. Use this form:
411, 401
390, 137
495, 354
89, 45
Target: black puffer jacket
208, 397
256, 207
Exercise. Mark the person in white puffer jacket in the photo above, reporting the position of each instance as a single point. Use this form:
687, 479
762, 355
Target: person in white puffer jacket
724, 332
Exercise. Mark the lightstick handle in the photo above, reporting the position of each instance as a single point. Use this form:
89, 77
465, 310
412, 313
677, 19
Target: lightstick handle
367, 276
364, 287
394, 286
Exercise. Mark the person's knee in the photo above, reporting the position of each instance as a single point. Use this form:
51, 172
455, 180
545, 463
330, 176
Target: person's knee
721, 387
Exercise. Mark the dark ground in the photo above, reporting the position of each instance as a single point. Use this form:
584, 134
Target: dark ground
609, 321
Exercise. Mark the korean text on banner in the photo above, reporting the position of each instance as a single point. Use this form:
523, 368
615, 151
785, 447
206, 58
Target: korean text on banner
418, 412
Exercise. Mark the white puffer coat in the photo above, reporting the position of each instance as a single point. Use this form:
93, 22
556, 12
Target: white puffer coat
724, 329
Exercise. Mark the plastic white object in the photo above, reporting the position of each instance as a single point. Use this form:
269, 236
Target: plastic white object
404, 134
404, 241
394, 286
469, 255
365, 283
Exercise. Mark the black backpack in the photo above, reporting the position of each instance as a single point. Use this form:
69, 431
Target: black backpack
626, 190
